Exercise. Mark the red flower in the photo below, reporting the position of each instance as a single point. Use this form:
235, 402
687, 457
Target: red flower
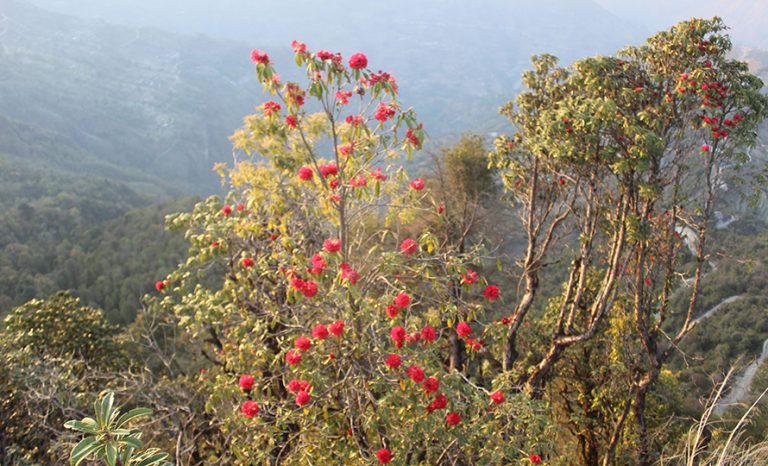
309, 289
291, 121
705, 147
349, 274
270, 107
392, 311
377, 175
463, 329
470, 278
393, 361
226, 210
318, 264
328, 170
440, 402
398, 335
384, 456
415, 373
384, 112
305, 173
417, 184
453, 419
431, 385
302, 398
257, 56
336, 328
428, 333
412, 138
159, 285
320, 332
408, 246
250, 409
248, 262
343, 97
354, 120
440, 209
334, 183
246, 382
303, 343
491, 292
402, 300
298, 47
332, 245
358, 181
497, 397
293, 358
358, 61
534, 458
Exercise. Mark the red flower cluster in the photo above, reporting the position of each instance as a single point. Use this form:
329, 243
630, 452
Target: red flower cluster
469, 278
534, 458
293, 358
302, 398
270, 107
440, 402
397, 334
453, 419
303, 343
428, 334
299, 47
318, 264
431, 385
384, 456
417, 184
354, 120
226, 210
249, 409
298, 386
349, 274
248, 262
415, 373
358, 61
408, 246
257, 56
332, 245
491, 292
320, 332
246, 382
393, 361
497, 397
305, 173
463, 329
402, 300
377, 175
328, 170
392, 311
384, 112
336, 328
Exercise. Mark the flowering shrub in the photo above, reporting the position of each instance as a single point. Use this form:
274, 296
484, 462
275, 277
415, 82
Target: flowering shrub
331, 331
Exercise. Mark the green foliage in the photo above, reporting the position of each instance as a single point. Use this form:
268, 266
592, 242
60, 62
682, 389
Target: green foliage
109, 438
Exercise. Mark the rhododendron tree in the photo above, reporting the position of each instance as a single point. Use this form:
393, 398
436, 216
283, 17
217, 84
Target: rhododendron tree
344, 322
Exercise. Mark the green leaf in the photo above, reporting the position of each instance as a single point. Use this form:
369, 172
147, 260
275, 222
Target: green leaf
87, 425
111, 456
106, 407
132, 441
84, 448
133, 414
153, 459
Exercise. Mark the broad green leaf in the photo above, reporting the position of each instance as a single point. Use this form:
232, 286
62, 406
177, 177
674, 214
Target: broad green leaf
84, 448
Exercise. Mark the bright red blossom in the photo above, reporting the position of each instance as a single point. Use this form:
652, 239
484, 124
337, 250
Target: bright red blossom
298, 47
393, 361
469, 278
453, 419
384, 112
402, 300
392, 311
257, 56
250, 409
463, 329
384, 456
332, 245
247, 262
271, 107
305, 173
293, 358
497, 397
291, 121
491, 292
320, 332
415, 373
302, 398
303, 343
358, 61
534, 458
159, 285
408, 246
428, 334
417, 184
336, 328
246, 382
298, 385
226, 210
398, 335
431, 385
